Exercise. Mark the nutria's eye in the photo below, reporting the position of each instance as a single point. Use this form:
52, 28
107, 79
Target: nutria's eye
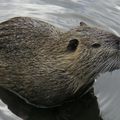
72, 46
95, 45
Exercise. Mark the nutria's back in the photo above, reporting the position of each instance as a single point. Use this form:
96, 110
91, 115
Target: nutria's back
47, 66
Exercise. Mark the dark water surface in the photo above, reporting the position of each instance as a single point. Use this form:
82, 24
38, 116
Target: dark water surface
66, 14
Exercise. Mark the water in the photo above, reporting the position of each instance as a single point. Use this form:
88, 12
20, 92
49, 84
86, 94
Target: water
107, 89
66, 14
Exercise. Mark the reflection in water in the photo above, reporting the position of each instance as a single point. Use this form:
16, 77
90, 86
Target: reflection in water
85, 108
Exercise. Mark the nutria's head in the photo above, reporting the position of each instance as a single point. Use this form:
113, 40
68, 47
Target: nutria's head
91, 51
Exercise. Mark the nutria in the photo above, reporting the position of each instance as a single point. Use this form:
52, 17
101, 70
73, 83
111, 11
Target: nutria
46, 66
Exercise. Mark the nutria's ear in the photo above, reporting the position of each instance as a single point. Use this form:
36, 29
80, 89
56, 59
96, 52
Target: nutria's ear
72, 45
83, 24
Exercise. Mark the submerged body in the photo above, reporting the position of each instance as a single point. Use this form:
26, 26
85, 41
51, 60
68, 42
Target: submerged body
47, 66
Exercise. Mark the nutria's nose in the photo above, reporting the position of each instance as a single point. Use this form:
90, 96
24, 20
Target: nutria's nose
115, 43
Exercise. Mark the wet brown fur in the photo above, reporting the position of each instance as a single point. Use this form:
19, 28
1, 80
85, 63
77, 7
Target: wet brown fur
36, 64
